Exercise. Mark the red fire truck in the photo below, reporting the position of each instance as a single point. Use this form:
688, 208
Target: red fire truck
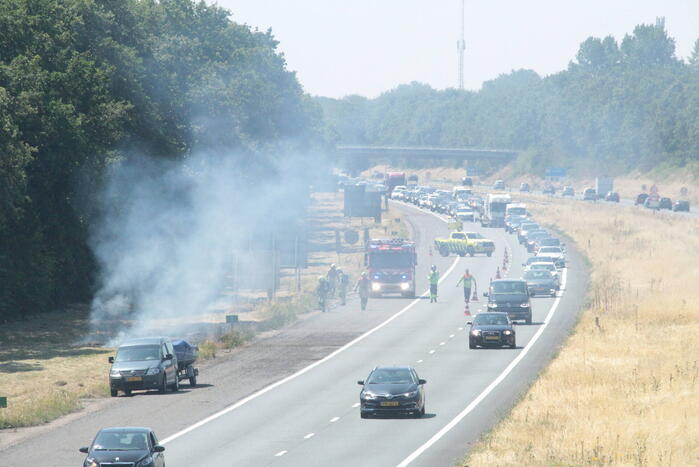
391, 265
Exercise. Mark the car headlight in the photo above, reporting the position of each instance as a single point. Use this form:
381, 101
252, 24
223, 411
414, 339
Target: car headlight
507, 332
492, 305
368, 395
375, 286
410, 394
145, 462
476, 332
114, 373
404, 286
153, 371
524, 305
90, 462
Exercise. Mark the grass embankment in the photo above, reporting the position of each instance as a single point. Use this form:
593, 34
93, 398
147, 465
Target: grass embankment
623, 390
45, 374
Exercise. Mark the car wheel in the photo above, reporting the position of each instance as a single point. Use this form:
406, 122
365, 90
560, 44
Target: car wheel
529, 319
363, 415
471, 252
192, 381
163, 386
444, 251
471, 344
514, 344
490, 253
113, 392
176, 386
128, 392
462, 254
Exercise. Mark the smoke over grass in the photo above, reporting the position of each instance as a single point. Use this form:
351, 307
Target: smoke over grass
169, 233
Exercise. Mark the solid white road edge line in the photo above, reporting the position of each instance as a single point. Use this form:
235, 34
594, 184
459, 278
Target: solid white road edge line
303, 370
437, 436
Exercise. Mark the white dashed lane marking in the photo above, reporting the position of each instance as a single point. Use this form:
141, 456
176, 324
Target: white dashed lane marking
280, 453
334, 419
431, 351
309, 436
356, 404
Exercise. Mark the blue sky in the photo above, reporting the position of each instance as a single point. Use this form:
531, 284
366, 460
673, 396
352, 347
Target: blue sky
368, 47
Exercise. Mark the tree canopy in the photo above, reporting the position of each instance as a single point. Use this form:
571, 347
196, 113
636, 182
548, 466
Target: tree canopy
617, 107
86, 83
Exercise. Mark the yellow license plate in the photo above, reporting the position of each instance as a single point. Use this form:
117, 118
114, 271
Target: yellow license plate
390, 404
132, 379
492, 338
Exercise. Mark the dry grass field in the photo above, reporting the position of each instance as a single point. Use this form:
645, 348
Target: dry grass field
624, 389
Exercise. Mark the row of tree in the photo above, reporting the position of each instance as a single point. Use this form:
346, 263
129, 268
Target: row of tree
617, 107
85, 84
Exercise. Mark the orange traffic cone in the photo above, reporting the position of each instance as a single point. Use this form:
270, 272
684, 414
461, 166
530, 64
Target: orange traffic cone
467, 311
475, 293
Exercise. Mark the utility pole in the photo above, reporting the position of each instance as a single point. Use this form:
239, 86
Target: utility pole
460, 48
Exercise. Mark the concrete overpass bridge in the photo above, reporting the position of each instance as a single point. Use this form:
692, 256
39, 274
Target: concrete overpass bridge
357, 158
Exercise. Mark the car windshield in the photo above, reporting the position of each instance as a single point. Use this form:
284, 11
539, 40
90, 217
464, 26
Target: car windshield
458, 236
491, 319
549, 249
537, 273
474, 235
509, 287
137, 353
517, 211
120, 441
391, 376
546, 266
391, 259
540, 259
530, 226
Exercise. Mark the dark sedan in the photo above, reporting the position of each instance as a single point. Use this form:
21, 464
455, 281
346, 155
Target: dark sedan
130, 446
612, 196
491, 329
665, 203
640, 199
392, 390
512, 297
541, 282
681, 206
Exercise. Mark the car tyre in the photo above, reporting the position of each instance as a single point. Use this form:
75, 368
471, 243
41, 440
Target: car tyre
490, 253
471, 344
444, 251
176, 387
471, 252
192, 381
529, 319
128, 392
363, 414
514, 344
462, 254
113, 392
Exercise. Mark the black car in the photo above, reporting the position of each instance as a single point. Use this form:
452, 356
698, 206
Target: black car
143, 364
467, 181
129, 446
541, 281
665, 203
524, 187
510, 296
392, 390
491, 329
681, 206
612, 196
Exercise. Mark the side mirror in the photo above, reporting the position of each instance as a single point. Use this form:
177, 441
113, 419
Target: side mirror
470, 323
422, 381
168, 357
84, 449
485, 294
111, 359
360, 382
158, 448
524, 264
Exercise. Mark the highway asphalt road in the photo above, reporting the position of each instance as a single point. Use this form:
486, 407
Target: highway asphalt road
292, 399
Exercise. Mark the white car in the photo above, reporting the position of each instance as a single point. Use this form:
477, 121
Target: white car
553, 252
551, 267
465, 215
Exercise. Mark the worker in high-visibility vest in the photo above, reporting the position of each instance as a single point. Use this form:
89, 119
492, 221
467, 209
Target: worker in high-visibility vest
467, 280
433, 277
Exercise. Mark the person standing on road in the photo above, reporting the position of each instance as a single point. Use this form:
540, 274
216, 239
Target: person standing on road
332, 280
468, 280
322, 292
363, 288
342, 285
433, 277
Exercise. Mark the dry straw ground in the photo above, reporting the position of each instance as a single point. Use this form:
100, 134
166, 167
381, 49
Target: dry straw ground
624, 389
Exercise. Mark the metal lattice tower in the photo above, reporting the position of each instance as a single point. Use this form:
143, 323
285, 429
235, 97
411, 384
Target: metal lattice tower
460, 48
